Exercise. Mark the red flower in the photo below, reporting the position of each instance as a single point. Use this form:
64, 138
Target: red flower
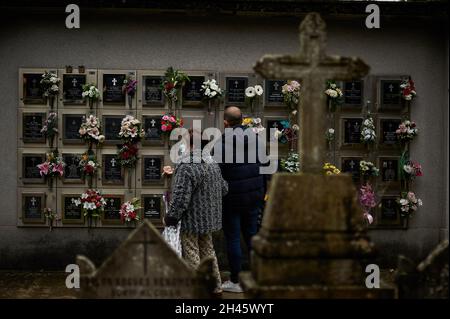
169, 127
168, 86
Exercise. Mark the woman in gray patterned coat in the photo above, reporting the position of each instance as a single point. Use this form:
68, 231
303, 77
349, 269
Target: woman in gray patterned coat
197, 192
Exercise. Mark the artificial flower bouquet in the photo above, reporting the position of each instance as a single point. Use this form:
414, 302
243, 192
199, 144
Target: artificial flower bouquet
173, 81
88, 166
287, 133
50, 84
408, 89
254, 123
50, 127
334, 95
330, 134
50, 216
406, 131
291, 163
131, 130
170, 122
368, 134
368, 169
330, 169
368, 201
291, 94
252, 94
127, 155
408, 203
90, 130
129, 86
129, 211
53, 166
92, 204
91, 92
412, 169
211, 90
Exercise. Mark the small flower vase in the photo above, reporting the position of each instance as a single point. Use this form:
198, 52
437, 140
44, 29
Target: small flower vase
130, 170
91, 103
50, 224
89, 180
81, 69
51, 101
51, 140
50, 183
129, 99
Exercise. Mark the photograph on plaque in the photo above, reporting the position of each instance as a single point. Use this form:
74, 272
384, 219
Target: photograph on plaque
152, 129
32, 91
72, 172
273, 124
73, 88
352, 130
111, 211
112, 89
390, 94
389, 169
235, 90
350, 165
71, 213
192, 94
71, 127
31, 127
273, 93
30, 172
112, 172
387, 131
353, 93
33, 208
111, 128
152, 207
152, 169
389, 211
152, 92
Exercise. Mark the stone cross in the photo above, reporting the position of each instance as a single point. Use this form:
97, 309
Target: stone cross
146, 241
313, 68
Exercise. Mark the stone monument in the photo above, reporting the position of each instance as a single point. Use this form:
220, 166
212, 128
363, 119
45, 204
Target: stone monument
144, 266
312, 243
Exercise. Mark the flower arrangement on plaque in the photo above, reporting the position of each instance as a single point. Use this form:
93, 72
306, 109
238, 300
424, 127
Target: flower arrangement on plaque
50, 86
169, 122
52, 167
368, 169
129, 211
291, 163
129, 88
92, 205
368, 135
90, 131
368, 201
407, 131
330, 135
211, 92
88, 166
291, 94
287, 134
254, 123
408, 89
334, 95
50, 128
51, 217
92, 93
171, 86
252, 96
330, 169
409, 203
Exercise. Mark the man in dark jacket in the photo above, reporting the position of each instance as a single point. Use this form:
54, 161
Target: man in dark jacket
245, 196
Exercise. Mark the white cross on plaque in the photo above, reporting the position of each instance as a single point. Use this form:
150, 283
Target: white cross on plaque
275, 86
152, 203
33, 201
74, 82
153, 162
113, 162
153, 122
352, 165
391, 87
114, 81
313, 67
236, 84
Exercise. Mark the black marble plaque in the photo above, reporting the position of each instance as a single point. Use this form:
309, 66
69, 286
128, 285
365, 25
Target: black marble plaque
274, 95
273, 124
112, 172
389, 170
112, 208
390, 94
235, 89
33, 208
152, 128
71, 127
72, 173
31, 125
389, 209
73, 88
388, 128
352, 131
152, 207
71, 211
192, 89
353, 93
30, 170
111, 126
32, 91
151, 169
152, 91
351, 165
112, 89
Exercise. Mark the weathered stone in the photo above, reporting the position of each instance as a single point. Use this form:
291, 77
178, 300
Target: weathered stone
144, 266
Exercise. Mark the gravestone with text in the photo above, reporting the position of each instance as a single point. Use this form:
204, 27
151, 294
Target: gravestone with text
312, 242
145, 266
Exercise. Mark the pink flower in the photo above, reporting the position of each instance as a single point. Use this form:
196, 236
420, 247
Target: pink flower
368, 217
58, 168
164, 128
44, 168
172, 119
165, 117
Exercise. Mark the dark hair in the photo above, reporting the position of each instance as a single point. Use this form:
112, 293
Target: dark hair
232, 118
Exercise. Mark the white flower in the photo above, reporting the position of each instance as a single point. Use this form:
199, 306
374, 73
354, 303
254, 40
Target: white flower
295, 127
419, 202
294, 112
404, 202
259, 90
85, 93
277, 134
250, 91
331, 131
213, 93
408, 169
333, 86
257, 120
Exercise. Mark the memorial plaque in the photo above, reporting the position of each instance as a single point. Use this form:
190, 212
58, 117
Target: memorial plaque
32, 91
152, 205
152, 128
73, 88
32, 124
351, 166
112, 172
273, 124
389, 209
273, 93
152, 94
71, 213
388, 128
33, 208
235, 90
30, 171
352, 131
112, 89
390, 94
72, 172
353, 93
111, 213
152, 169
389, 170
71, 127
192, 93
111, 124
